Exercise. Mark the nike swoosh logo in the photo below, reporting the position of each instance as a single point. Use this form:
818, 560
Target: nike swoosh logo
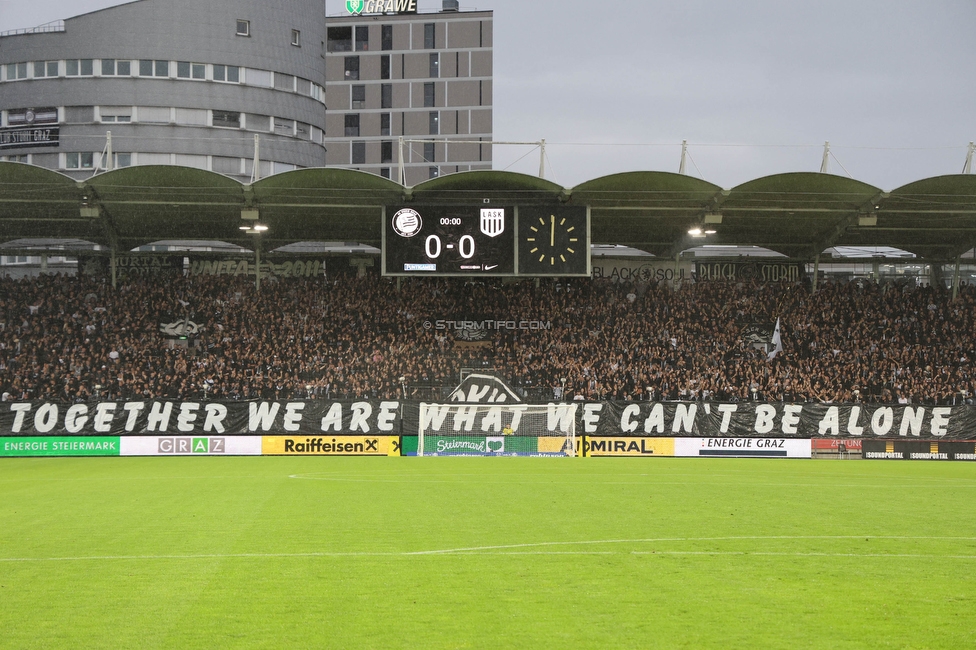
493, 266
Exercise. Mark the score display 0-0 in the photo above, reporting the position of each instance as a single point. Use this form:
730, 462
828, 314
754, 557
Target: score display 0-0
486, 241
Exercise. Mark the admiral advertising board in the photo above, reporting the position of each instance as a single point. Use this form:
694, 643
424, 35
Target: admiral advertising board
633, 446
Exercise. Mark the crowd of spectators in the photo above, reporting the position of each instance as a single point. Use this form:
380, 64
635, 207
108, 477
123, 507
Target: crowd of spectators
75, 338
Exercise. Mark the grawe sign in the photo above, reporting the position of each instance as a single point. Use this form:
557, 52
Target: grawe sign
359, 7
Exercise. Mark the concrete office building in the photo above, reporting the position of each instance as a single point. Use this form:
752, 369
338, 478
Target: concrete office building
191, 83
178, 82
422, 77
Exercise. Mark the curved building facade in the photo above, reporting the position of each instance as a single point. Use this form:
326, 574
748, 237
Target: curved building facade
177, 82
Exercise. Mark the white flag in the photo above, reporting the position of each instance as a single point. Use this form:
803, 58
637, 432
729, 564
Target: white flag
777, 342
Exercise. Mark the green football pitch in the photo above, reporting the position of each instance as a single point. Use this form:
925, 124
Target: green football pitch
280, 552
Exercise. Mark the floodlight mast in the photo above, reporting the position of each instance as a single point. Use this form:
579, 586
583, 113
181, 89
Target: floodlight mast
968, 167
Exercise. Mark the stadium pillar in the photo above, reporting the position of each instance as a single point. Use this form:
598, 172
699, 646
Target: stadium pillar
955, 278
112, 266
816, 272
402, 174
257, 262
43, 263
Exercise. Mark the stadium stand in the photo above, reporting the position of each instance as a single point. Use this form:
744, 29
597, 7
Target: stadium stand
73, 338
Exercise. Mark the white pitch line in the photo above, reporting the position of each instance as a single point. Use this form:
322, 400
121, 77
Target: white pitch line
588, 481
798, 554
684, 539
515, 549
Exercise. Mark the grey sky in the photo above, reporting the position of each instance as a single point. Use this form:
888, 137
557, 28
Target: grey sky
755, 86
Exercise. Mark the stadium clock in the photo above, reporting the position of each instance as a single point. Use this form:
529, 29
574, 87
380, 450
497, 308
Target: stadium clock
554, 241
449, 240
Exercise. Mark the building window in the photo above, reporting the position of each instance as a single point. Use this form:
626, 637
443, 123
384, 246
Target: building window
352, 126
227, 119
243, 27
111, 68
352, 68
115, 115
434, 122
149, 68
339, 39
16, 71
429, 36
359, 96
79, 161
384, 124
385, 172
79, 67
385, 66
45, 69
284, 127
359, 153
435, 65
123, 160
386, 95
228, 73
429, 94
187, 70
386, 37
428, 152
362, 39
386, 151
433, 172
296, 38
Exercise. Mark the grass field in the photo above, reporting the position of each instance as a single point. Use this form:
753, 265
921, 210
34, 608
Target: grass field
486, 553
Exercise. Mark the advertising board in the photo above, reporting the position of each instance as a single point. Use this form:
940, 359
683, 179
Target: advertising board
597, 447
190, 446
60, 446
742, 447
331, 446
919, 450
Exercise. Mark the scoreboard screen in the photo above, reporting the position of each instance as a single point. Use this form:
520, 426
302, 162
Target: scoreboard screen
441, 240
486, 240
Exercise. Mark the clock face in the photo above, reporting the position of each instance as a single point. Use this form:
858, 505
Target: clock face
553, 241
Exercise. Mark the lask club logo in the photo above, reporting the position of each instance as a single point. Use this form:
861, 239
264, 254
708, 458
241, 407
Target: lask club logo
492, 221
355, 6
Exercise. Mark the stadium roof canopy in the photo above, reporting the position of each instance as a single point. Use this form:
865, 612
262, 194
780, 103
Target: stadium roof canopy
797, 214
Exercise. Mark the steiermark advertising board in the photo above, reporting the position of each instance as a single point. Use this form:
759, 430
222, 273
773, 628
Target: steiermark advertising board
59, 446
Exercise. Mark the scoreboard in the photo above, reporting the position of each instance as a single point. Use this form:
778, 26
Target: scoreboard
505, 240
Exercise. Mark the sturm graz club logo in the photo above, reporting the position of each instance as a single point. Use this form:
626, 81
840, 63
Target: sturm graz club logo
355, 6
407, 222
